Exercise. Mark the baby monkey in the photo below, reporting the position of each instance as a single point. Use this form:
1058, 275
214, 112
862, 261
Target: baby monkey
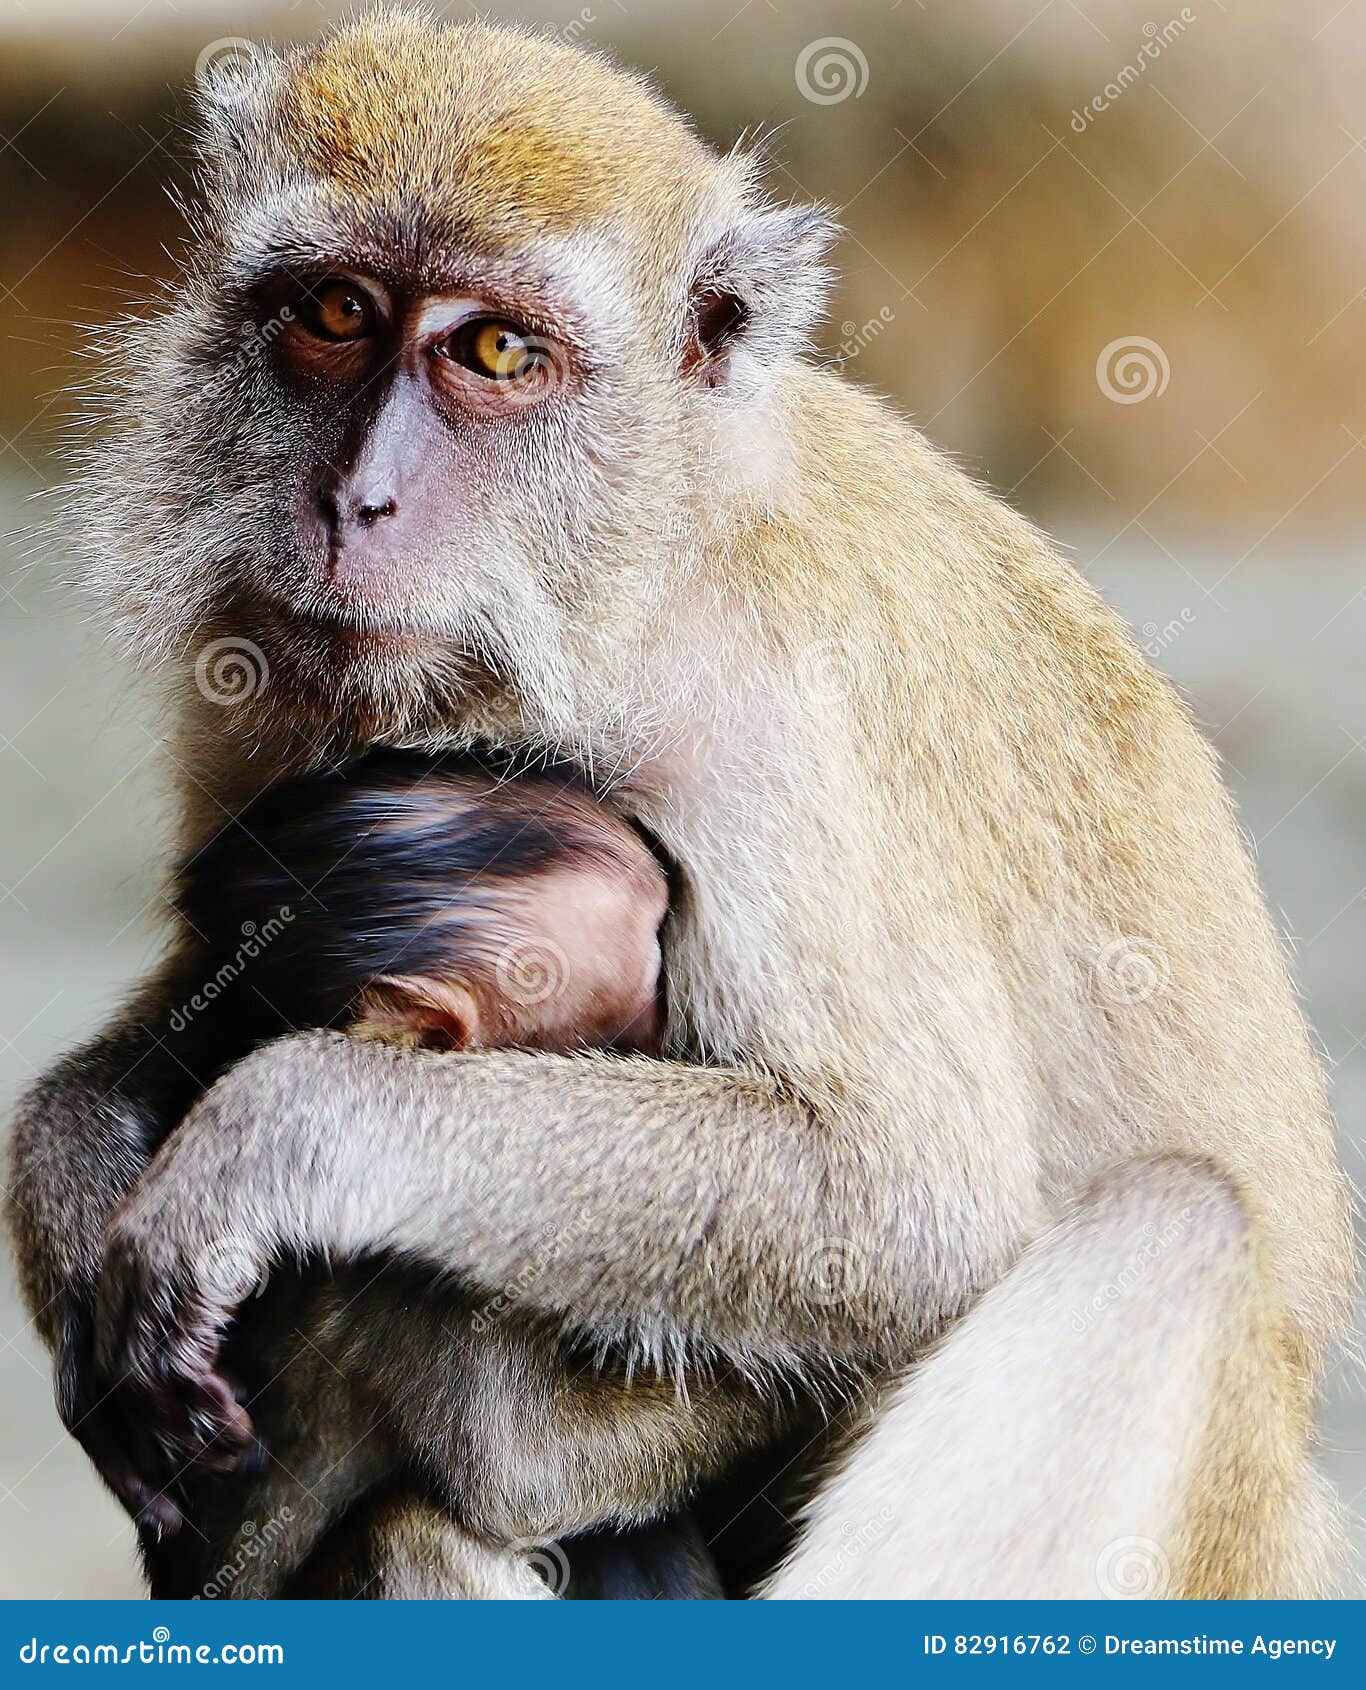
438, 904
434, 903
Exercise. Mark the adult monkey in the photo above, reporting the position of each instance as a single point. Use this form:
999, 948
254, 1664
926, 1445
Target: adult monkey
528, 456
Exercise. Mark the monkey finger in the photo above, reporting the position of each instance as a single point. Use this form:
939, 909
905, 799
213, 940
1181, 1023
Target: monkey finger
155, 1334
248, 1460
140, 1497
137, 1321
130, 1468
195, 1418
254, 1461
94, 1415
171, 1441
216, 1416
154, 1512
227, 1439
186, 1414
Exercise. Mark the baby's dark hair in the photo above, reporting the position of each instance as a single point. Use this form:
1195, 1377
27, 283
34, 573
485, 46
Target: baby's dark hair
328, 882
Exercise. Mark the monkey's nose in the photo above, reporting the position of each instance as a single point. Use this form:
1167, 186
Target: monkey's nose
339, 513
368, 513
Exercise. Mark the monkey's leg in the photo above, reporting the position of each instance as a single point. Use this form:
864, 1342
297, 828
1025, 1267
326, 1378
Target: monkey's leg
296, 1536
533, 1455
246, 1535
527, 1443
298, 1530
397, 1548
299, 1534
402, 1548
374, 1374
1123, 1414
329, 1517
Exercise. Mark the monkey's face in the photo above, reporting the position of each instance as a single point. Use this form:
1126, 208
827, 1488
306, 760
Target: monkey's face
433, 487
470, 331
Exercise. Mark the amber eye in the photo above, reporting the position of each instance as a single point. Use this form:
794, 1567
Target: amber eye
496, 350
337, 310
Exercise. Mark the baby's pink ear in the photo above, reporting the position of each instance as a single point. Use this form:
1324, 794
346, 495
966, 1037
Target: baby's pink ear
412, 1009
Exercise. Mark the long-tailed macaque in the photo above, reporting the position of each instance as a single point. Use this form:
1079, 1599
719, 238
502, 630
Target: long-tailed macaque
480, 416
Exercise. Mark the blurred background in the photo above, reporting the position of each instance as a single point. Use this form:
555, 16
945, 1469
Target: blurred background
1111, 255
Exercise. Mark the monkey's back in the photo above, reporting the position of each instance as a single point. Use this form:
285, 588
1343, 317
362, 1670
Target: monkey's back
1050, 810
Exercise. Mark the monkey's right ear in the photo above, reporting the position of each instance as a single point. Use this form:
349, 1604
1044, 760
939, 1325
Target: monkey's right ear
234, 87
758, 292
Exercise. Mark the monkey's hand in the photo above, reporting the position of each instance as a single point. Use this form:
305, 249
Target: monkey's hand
164, 1304
98, 1419
82, 1137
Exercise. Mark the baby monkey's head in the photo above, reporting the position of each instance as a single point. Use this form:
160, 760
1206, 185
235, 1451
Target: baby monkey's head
435, 903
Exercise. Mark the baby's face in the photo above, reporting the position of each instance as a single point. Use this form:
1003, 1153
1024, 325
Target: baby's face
563, 959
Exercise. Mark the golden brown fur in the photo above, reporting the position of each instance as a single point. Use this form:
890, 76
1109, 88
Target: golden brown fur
537, 128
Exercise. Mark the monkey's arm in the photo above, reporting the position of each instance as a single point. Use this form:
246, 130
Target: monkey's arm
82, 1136
649, 1202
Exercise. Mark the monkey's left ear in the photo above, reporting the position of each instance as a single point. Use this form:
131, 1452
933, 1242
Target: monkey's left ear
758, 292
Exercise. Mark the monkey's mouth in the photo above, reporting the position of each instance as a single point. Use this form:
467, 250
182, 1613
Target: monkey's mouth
359, 631
391, 670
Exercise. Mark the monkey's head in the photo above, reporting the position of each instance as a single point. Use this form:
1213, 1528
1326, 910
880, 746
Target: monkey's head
472, 328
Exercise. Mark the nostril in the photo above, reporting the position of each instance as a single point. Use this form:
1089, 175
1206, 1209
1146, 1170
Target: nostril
327, 510
368, 514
